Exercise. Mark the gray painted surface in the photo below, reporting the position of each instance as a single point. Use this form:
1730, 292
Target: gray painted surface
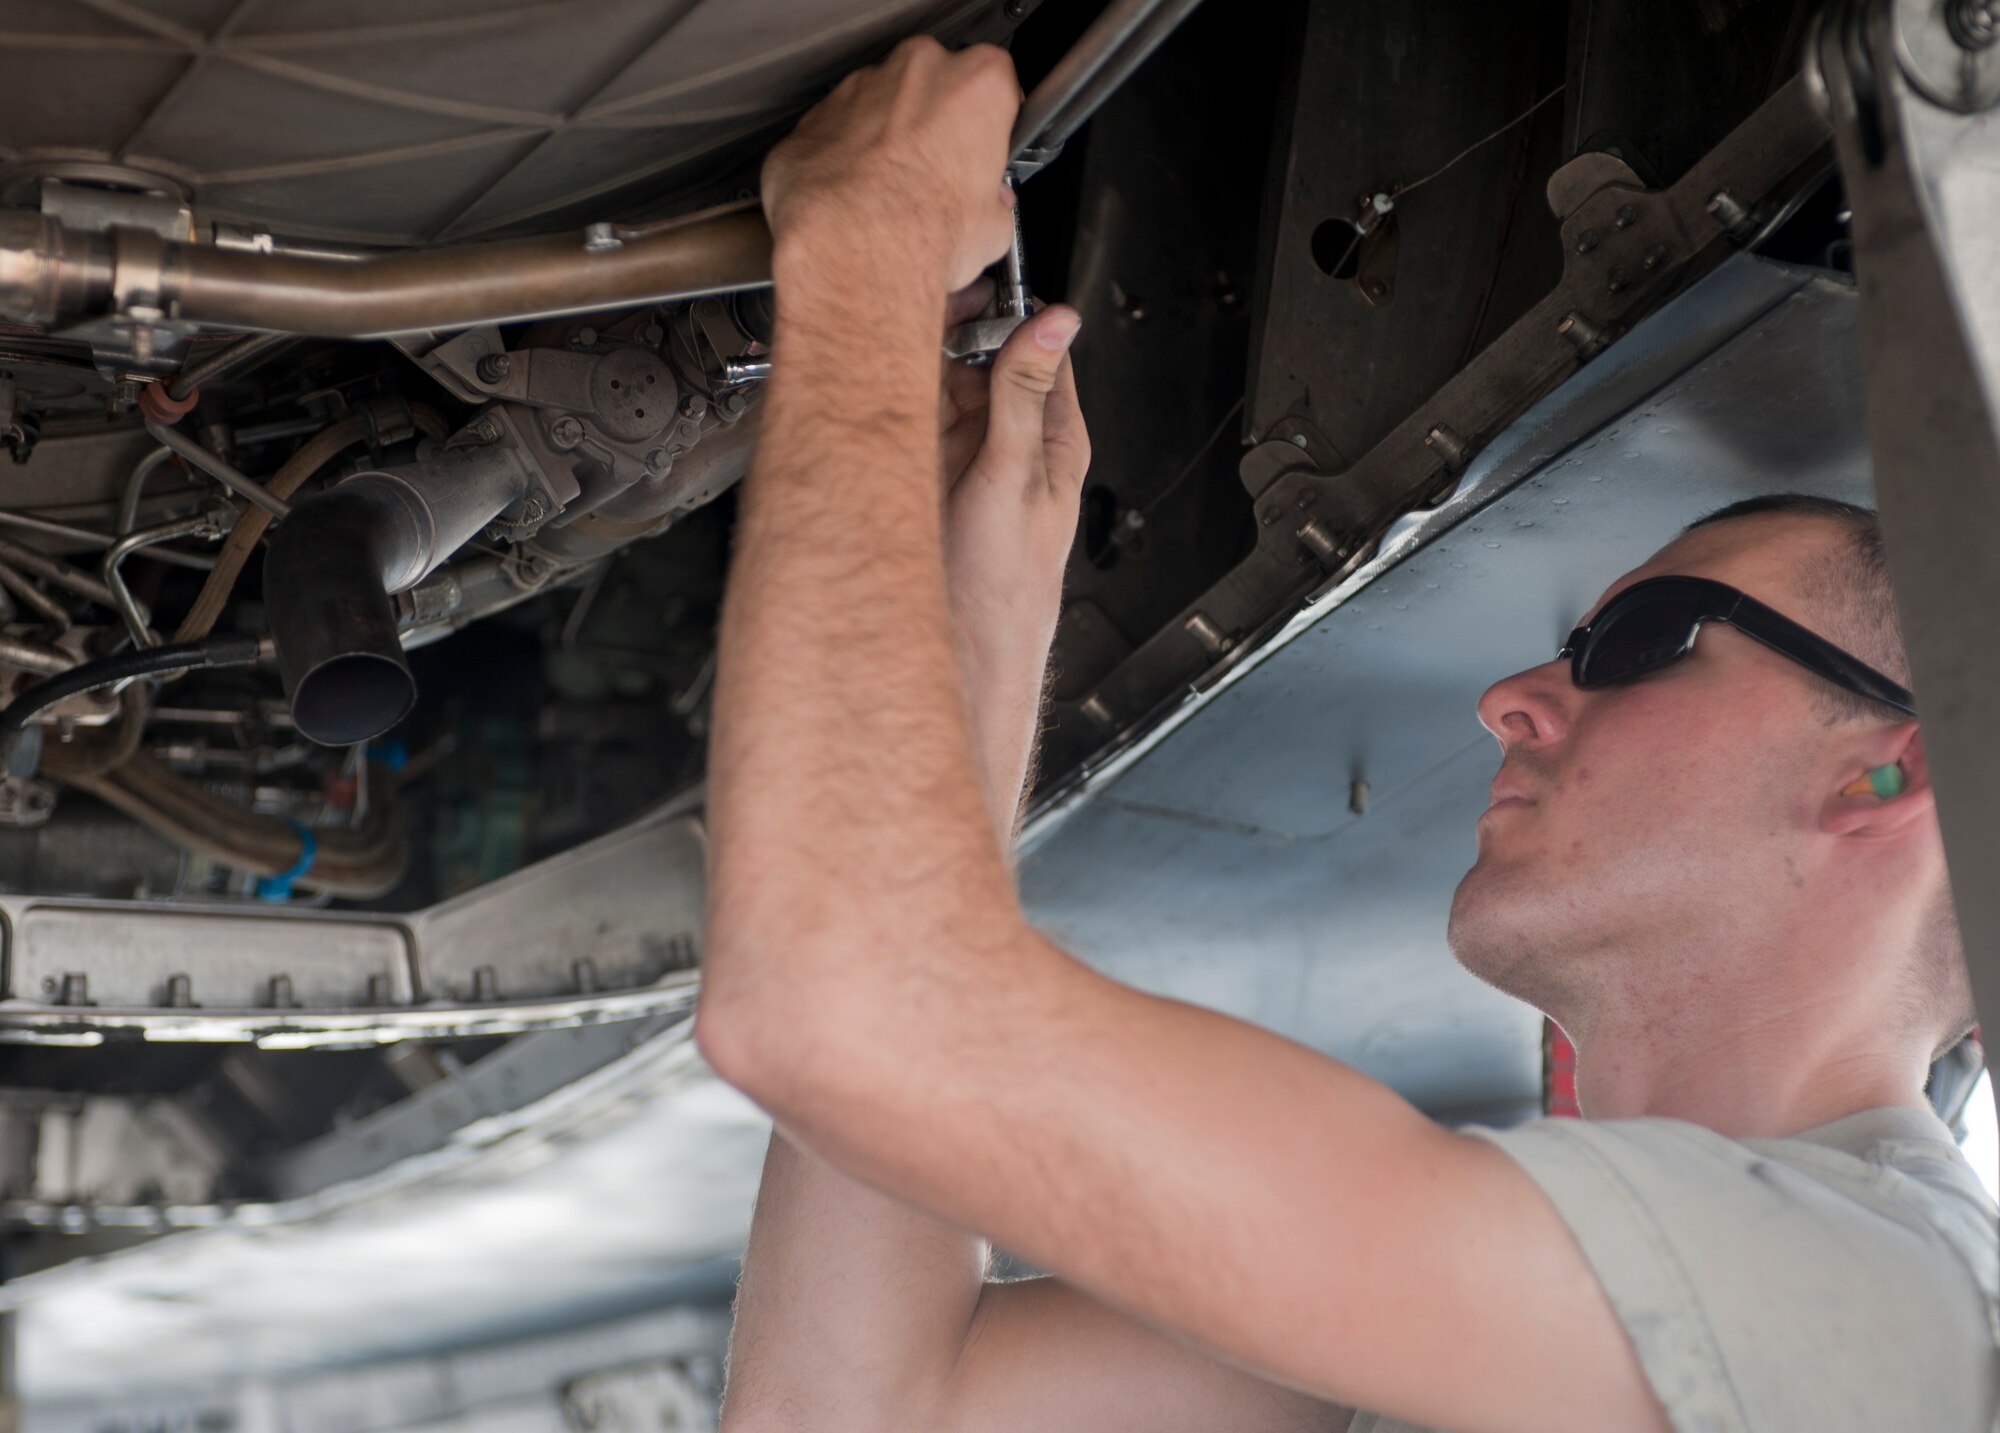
1221, 866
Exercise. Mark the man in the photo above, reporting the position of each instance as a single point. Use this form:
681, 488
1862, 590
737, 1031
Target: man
1718, 867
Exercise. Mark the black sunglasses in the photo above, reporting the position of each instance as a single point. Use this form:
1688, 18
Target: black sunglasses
1652, 624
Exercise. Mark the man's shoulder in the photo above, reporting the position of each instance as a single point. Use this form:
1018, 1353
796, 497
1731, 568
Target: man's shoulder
1854, 1265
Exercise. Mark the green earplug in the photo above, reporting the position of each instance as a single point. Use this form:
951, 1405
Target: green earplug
1886, 781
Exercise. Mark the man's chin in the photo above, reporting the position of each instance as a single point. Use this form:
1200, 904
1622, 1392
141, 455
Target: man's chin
1490, 927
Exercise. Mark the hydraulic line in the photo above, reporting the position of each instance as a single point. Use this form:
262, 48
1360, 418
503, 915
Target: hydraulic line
224, 651
363, 862
317, 451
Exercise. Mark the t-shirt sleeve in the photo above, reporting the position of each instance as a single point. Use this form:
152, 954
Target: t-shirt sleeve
1767, 1293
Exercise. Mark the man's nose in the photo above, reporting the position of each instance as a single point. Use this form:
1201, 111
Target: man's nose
1531, 707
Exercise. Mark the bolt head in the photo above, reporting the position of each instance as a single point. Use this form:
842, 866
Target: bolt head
566, 431
495, 367
693, 406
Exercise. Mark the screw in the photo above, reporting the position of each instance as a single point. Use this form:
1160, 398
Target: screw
486, 429
1974, 24
1625, 217
583, 338
1586, 241
534, 511
651, 334
658, 460
566, 431
1619, 281
1654, 256
1377, 289
1016, 9
495, 367
693, 406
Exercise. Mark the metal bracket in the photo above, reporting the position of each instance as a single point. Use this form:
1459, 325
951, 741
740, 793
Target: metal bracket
1912, 87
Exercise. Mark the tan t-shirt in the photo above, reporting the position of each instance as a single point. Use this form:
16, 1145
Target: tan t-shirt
1846, 1278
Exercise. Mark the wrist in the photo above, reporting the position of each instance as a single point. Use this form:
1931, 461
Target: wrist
847, 268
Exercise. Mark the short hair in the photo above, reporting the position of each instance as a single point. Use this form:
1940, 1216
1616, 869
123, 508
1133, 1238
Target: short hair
1852, 601
1848, 589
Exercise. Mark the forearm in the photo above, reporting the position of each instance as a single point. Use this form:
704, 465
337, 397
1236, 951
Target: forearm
847, 805
853, 1307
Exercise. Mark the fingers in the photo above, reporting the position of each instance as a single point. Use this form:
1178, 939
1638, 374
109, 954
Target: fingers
1025, 372
1065, 440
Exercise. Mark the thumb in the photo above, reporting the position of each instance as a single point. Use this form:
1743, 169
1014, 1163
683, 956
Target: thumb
1024, 371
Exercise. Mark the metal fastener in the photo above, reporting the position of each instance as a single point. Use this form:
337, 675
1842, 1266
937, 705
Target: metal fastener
1318, 539
1586, 336
566, 431
495, 367
1202, 628
601, 238
693, 406
1446, 444
1624, 217
1728, 211
1973, 24
1586, 241
487, 429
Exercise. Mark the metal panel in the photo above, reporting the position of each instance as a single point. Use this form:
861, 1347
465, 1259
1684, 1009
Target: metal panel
603, 932
401, 121
133, 954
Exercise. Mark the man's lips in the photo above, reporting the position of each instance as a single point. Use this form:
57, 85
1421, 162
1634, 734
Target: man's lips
1506, 792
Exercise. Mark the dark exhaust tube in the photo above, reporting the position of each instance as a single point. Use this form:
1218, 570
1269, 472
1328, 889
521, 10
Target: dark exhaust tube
333, 621
334, 565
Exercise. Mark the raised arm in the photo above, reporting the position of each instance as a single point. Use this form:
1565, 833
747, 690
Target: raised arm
855, 1310
870, 978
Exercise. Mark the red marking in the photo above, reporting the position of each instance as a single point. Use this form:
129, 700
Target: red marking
160, 406
1558, 1074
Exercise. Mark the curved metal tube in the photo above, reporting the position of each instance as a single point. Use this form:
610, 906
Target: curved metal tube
199, 458
207, 523
332, 565
47, 272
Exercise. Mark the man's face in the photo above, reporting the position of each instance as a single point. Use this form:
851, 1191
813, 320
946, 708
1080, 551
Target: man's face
1635, 827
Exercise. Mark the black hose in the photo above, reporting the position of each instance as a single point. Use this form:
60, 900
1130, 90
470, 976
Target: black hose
222, 651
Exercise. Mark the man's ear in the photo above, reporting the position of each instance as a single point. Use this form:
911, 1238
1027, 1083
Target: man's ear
1853, 808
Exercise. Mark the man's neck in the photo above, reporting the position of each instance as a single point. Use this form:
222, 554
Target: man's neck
1743, 1065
